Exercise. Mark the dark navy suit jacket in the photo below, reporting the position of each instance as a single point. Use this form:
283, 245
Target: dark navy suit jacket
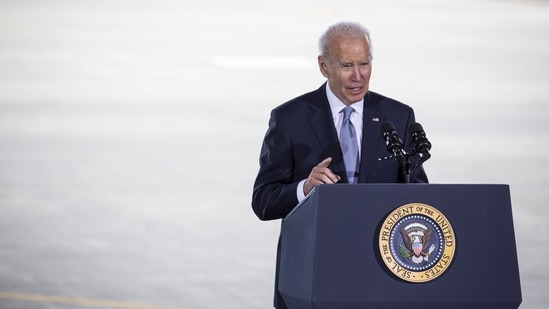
301, 134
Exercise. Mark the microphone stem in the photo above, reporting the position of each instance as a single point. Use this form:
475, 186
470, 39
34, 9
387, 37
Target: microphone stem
405, 165
406, 172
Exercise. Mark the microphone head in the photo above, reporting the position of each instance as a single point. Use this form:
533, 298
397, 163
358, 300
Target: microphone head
415, 127
422, 143
387, 126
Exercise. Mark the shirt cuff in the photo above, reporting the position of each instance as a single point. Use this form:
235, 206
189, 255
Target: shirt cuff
300, 194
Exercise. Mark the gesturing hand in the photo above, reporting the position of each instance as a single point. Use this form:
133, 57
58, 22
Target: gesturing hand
320, 174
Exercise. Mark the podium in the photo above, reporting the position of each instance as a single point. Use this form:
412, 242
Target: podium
331, 256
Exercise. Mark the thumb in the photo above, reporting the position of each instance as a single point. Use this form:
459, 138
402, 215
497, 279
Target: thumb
326, 162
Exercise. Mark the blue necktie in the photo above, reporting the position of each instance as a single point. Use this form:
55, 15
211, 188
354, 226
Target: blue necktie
349, 146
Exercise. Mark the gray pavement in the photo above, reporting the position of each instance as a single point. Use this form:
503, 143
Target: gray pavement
130, 133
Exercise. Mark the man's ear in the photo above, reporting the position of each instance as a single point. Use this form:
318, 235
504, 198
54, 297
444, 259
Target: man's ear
322, 65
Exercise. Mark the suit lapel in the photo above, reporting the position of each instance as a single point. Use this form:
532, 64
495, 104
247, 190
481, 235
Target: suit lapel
321, 120
371, 123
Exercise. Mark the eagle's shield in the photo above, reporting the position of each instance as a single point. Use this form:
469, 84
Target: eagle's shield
417, 248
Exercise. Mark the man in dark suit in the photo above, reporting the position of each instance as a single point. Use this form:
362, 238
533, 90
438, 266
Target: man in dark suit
302, 147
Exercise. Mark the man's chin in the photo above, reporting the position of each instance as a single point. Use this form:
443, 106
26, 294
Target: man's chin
355, 97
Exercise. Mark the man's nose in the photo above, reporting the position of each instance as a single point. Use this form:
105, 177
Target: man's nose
357, 73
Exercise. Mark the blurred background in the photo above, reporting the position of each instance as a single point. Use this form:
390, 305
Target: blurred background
130, 133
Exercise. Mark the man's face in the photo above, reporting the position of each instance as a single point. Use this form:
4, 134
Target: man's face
348, 68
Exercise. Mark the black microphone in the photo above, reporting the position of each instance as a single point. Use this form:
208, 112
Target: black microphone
394, 144
420, 139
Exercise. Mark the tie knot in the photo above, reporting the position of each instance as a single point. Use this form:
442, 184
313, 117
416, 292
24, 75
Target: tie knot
347, 111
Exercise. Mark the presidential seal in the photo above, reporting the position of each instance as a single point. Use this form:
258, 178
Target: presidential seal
417, 242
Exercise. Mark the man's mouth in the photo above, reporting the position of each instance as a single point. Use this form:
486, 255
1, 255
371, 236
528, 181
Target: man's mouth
355, 89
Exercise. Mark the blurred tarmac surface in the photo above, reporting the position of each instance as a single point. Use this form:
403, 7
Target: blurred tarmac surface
130, 134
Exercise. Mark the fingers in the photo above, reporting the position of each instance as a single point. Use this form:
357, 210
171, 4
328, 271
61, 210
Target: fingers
320, 174
323, 174
325, 163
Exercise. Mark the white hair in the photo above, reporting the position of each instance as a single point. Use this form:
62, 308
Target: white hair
343, 29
